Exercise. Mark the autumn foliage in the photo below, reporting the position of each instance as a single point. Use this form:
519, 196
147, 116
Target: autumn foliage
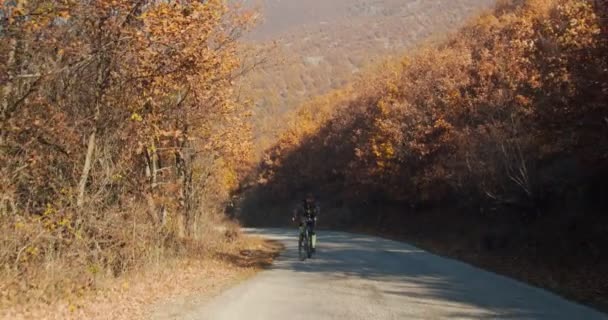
119, 134
508, 114
496, 139
320, 45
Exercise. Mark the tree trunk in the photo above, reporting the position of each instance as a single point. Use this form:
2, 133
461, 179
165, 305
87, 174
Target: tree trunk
8, 87
154, 166
86, 170
103, 72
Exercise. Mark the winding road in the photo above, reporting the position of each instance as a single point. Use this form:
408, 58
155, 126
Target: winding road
363, 277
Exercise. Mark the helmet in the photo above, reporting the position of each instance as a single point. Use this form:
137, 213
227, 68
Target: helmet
309, 198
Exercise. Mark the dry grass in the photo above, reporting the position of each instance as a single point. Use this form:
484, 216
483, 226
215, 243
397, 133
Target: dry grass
192, 278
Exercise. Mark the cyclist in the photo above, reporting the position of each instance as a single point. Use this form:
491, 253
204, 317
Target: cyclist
307, 213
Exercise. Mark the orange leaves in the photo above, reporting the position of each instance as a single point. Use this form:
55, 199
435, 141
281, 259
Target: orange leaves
154, 77
582, 25
179, 23
171, 133
440, 116
442, 125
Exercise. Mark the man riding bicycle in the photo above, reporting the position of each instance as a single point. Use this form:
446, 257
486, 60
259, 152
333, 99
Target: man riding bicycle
306, 215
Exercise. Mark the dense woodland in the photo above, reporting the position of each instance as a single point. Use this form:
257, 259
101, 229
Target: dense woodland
119, 135
498, 136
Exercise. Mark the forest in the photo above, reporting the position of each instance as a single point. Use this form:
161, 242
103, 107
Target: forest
493, 143
120, 136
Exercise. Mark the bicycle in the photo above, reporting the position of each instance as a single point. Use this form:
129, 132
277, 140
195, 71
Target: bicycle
305, 239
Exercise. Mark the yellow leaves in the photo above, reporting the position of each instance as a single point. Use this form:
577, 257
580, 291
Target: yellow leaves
65, 14
230, 178
49, 210
388, 150
32, 251
383, 152
52, 220
442, 124
29, 253
454, 96
65, 222
136, 117
524, 101
93, 269
574, 22
383, 107
534, 82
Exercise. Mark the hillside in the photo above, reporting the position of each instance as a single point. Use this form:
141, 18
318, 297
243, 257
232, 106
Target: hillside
319, 45
285, 19
491, 146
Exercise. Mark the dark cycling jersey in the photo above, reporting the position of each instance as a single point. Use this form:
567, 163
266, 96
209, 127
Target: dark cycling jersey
307, 211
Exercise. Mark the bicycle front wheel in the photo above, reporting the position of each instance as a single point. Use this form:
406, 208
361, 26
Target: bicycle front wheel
301, 246
308, 245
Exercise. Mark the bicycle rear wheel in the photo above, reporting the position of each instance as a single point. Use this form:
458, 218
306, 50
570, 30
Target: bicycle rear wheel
308, 244
302, 246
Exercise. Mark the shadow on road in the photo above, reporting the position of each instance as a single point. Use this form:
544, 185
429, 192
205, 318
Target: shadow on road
403, 272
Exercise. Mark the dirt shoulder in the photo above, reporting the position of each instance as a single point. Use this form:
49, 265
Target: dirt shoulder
161, 291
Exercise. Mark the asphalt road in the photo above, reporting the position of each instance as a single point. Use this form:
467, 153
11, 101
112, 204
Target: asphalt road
362, 277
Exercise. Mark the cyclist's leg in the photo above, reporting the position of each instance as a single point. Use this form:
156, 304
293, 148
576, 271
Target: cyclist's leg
313, 235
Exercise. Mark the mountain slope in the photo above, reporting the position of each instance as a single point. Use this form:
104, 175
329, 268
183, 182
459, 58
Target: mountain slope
319, 45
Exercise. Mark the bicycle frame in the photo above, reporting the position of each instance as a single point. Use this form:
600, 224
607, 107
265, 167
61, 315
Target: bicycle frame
305, 240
